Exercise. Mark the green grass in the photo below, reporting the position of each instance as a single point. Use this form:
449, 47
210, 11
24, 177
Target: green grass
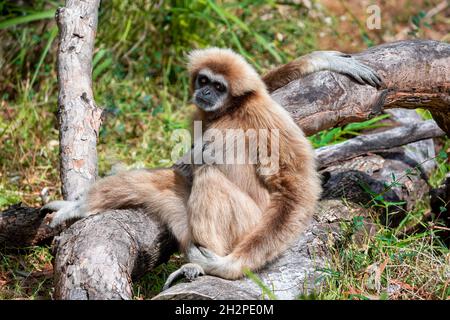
26, 273
140, 80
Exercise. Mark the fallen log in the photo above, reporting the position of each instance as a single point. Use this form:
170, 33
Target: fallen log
23, 226
79, 117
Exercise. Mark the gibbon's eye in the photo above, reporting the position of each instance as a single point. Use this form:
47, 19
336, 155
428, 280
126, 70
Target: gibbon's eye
203, 80
219, 87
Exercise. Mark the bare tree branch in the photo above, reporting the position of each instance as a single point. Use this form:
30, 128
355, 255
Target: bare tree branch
98, 257
388, 139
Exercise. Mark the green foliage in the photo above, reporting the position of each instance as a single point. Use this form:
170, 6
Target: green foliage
385, 266
152, 283
443, 165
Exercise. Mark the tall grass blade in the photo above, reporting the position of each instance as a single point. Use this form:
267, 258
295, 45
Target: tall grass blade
28, 18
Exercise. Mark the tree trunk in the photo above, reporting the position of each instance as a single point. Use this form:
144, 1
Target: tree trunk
79, 117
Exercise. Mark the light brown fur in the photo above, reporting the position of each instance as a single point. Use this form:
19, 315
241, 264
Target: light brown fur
280, 205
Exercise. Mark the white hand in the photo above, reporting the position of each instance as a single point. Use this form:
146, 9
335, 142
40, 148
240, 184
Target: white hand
345, 64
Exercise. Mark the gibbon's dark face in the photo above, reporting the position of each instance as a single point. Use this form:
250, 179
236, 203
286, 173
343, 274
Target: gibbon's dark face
211, 91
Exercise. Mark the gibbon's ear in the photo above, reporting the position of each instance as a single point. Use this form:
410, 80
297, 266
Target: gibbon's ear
240, 75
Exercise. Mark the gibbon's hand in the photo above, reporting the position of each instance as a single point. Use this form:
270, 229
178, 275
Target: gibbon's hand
203, 257
190, 271
65, 210
345, 64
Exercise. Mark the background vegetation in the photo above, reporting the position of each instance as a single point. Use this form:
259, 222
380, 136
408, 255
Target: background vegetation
140, 80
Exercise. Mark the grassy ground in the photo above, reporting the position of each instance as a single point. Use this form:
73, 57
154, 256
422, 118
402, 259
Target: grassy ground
140, 80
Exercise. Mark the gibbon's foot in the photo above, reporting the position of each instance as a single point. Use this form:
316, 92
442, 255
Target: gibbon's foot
225, 267
348, 65
65, 210
190, 271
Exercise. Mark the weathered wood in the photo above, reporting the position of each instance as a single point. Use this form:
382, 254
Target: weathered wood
23, 226
118, 237
98, 257
79, 117
416, 74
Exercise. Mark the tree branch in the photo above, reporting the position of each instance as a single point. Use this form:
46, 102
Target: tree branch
416, 74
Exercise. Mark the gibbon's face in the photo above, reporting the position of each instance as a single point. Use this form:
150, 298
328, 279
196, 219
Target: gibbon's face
211, 91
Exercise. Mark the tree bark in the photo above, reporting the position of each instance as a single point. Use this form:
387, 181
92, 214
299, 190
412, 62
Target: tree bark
301, 269
416, 74
79, 117
317, 102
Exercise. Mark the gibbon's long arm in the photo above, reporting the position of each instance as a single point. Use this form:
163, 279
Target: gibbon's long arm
318, 61
289, 213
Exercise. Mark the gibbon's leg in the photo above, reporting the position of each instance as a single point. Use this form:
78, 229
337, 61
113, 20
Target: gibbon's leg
220, 215
317, 61
293, 197
161, 192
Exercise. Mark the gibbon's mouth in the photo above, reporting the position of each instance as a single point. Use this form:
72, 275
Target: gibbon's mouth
203, 104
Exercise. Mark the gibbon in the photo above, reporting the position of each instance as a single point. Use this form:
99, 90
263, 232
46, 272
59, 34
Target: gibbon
228, 217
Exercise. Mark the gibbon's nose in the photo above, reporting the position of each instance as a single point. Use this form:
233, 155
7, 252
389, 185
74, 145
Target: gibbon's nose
206, 92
